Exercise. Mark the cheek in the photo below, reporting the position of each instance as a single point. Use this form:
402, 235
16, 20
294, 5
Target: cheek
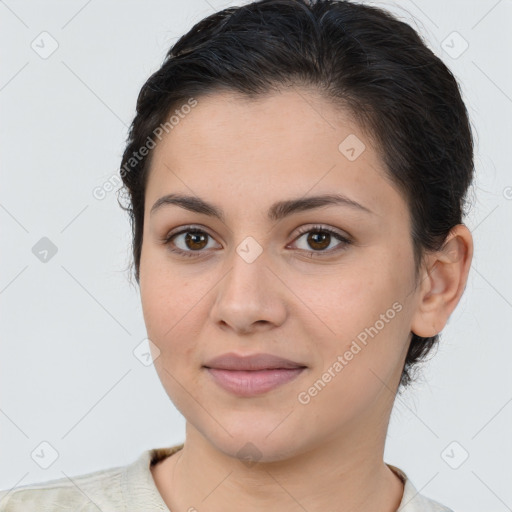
165, 298
347, 301
175, 304
171, 314
363, 356
365, 315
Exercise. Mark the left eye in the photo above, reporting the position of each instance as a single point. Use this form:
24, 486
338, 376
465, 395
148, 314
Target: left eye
320, 238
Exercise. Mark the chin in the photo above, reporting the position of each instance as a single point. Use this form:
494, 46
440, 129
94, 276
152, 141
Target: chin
253, 443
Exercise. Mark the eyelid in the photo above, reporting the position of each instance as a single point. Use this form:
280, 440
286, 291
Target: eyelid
322, 227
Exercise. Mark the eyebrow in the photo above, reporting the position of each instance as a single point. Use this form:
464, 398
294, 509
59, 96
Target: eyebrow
277, 211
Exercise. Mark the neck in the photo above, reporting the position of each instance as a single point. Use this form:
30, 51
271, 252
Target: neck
346, 470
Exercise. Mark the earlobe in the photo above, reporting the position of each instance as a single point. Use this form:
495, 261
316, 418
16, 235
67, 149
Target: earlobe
443, 282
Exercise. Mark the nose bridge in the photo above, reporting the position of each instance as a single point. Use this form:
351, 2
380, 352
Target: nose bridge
247, 295
248, 264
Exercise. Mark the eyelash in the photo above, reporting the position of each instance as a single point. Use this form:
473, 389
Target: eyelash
316, 229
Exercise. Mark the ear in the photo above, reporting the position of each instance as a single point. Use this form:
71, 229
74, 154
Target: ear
443, 281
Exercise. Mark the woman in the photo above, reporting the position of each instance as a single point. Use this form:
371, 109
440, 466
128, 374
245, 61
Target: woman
296, 175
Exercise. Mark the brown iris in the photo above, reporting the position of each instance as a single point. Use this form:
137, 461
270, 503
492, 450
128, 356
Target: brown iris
196, 241
317, 239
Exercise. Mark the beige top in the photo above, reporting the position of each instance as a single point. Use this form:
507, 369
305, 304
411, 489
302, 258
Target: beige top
131, 488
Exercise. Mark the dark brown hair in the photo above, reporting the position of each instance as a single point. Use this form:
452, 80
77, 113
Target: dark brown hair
359, 57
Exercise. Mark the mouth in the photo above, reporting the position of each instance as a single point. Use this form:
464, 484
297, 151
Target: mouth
252, 375
253, 382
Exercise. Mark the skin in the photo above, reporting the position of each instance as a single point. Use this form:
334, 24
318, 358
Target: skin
292, 301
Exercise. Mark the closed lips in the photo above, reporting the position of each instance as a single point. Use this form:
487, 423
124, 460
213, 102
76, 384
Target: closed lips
255, 362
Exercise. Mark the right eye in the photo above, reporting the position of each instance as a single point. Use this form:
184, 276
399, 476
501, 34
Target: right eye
188, 241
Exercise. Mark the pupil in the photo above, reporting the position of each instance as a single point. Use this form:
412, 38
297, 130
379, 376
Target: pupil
323, 237
193, 238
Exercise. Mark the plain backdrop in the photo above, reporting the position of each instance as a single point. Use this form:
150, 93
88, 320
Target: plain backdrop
74, 394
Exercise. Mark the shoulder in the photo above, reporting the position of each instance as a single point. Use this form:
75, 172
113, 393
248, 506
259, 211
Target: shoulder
424, 504
99, 490
129, 487
412, 500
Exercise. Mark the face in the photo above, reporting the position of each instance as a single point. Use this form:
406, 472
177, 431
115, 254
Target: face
329, 286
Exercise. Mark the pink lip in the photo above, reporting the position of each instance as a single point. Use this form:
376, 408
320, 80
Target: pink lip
253, 374
232, 361
252, 382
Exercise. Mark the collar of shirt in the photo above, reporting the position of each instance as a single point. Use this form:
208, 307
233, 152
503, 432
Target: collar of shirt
139, 488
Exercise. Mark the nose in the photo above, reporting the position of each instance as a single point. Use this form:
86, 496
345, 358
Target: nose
249, 298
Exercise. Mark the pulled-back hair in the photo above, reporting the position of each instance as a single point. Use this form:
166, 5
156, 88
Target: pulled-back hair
360, 58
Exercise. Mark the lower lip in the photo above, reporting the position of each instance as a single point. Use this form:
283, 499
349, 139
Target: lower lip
254, 382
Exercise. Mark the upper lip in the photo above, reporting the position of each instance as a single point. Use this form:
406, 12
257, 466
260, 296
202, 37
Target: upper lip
232, 361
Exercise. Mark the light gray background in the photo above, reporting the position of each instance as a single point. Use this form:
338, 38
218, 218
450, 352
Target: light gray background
69, 326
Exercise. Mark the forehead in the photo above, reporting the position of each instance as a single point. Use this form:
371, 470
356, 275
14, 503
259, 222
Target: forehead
288, 143
285, 125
